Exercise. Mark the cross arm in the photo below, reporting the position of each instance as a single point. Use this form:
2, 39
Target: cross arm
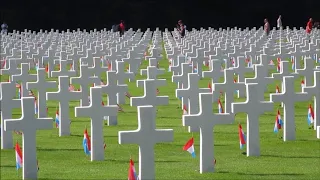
193, 120
12, 124
277, 97
111, 110
224, 118
84, 111
239, 107
310, 90
128, 137
164, 135
143, 71
137, 101
182, 93
302, 96
162, 100
44, 123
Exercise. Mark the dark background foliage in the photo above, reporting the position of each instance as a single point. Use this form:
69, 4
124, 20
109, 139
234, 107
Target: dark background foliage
57, 14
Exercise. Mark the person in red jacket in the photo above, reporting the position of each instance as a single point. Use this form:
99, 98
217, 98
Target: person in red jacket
121, 27
309, 28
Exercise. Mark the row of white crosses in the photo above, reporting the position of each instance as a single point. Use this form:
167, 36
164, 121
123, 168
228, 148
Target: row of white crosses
95, 110
146, 104
254, 106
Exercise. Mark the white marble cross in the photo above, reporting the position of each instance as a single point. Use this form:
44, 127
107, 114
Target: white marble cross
146, 136
152, 73
12, 69
24, 77
97, 67
228, 87
254, 108
206, 120
261, 79
241, 68
84, 80
315, 91
64, 96
41, 85
150, 96
215, 73
96, 112
307, 71
112, 89
28, 124
8, 104
182, 79
121, 76
191, 93
63, 71
288, 97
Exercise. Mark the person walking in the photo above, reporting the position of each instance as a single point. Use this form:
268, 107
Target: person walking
309, 28
279, 23
181, 28
4, 28
266, 27
122, 28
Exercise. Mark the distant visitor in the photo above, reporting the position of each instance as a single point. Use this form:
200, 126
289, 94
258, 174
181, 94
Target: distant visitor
4, 28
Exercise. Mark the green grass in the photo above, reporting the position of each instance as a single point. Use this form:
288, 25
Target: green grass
63, 157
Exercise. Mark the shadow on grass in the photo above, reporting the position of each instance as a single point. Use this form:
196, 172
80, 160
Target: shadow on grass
77, 135
168, 117
112, 136
275, 174
307, 157
7, 166
50, 149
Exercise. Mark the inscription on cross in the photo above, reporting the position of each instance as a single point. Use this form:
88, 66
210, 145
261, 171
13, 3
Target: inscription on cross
146, 136
288, 97
254, 108
28, 124
41, 85
64, 96
206, 120
96, 112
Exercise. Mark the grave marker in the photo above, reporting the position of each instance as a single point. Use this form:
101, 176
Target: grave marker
206, 120
96, 112
24, 77
315, 91
41, 85
254, 108
146, 136
28, 124
8, 102
64, 96
288, 97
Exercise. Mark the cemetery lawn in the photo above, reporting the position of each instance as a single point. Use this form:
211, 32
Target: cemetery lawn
64, 158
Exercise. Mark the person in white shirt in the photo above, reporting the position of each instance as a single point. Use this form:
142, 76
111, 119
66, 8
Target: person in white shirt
279, 22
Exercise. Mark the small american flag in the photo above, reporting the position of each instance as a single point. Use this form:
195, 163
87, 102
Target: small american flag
158, 92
